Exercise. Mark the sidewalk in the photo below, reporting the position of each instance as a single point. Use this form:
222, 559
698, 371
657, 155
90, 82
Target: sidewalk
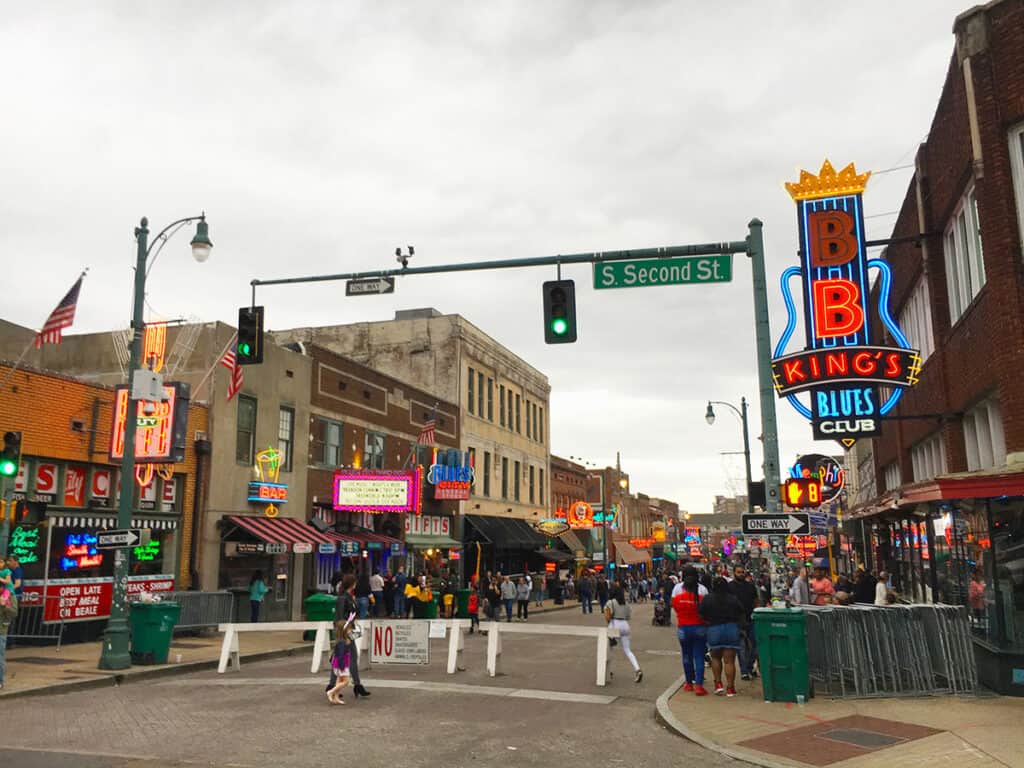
968, 732
38, 668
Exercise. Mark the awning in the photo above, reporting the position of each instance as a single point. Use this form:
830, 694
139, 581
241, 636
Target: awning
627, 554
280, 530
367, 537
555, 555
572, 542
506, 532
425, 541
110, 521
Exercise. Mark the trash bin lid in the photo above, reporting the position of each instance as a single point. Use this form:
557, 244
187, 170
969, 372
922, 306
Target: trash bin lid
320, 597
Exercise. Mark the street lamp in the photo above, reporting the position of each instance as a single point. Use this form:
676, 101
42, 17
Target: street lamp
709, 417
114, 653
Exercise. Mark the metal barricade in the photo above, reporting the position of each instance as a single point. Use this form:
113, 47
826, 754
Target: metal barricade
901, 650
30, 622
202, 609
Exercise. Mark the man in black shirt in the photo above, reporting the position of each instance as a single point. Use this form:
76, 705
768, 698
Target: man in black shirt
746, 592
863, 587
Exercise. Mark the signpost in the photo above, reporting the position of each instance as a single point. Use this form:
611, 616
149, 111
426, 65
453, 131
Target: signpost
797, 523
370, 287
652, 272
131, 537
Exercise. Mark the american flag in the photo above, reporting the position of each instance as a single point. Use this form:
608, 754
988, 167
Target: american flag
427, 433
230, 361
62, 317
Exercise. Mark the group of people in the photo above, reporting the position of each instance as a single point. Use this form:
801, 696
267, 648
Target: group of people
817, 588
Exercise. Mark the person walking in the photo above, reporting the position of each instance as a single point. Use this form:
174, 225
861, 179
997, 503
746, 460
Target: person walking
821, 588
508, 596
522, 600
363, 593
742, 586
602, 590
586, 590
400, 582
341, 659
617, 612
474, 611
882, 589
691, 631
863, 587
257, 591
723, 614
800, 593
389, 595
344, 607
377, 592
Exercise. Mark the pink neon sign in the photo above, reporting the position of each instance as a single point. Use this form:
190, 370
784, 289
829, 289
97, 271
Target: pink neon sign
380, 490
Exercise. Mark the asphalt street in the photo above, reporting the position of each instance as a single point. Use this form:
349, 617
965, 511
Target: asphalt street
542, 709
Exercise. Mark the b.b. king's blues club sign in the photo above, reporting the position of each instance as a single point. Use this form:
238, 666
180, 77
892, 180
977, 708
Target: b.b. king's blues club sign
451, 475
841, 367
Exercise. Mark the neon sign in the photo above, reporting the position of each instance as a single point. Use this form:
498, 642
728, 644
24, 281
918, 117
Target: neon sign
551, 526
453, 476
267, 490
834, 271
378, 490
642, 543
80, 552
802, 492
24, 542
159, 435
825, 470
581, 516
147, 553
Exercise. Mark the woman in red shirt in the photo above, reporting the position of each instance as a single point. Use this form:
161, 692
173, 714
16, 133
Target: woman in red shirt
692, 632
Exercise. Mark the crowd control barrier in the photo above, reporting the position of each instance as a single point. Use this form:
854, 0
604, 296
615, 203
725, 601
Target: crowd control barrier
202, 610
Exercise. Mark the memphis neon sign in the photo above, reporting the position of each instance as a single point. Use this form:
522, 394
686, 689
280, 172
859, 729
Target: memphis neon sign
840, 368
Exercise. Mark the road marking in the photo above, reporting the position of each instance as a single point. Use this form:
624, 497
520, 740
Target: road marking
419, 685
662, 653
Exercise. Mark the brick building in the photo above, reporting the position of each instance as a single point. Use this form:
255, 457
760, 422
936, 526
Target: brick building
942, 508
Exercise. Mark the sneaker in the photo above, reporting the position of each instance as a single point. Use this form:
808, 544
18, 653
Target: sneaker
745, 676
719, 690
729, 692
700, 690
688, 687
638, 676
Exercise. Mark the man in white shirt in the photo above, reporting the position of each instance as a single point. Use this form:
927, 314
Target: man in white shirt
377, 588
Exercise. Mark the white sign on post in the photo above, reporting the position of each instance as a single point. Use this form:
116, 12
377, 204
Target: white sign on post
400, 642
437, 630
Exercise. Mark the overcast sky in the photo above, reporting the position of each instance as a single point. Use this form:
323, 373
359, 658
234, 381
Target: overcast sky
320, 136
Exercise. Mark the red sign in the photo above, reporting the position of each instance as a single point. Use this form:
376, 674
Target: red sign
46, 482
86, 599
74, 486
549, 567
641, 543
169, 495
155, 432
581, 515
859, 364
99, 487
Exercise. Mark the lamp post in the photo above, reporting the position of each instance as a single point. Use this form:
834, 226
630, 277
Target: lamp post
114, 653
709, 417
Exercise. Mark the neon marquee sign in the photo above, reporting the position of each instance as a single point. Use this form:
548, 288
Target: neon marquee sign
80, 552
379, 490
840, 368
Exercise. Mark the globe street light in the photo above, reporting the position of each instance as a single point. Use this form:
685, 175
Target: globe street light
709, 417
114, 653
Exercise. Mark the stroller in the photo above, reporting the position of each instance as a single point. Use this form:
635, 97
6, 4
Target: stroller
661, 617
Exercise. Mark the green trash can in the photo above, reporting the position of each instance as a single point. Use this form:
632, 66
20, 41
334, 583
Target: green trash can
462, 603
432, 607
319, 607
782, 653
152, 625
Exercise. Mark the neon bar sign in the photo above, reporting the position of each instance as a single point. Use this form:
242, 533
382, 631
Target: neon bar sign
160, 435
80, 552
267, 493
839, 367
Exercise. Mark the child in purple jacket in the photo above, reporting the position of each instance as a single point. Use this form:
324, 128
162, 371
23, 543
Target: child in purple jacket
340, 674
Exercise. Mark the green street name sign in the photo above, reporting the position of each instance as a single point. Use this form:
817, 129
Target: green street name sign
648, 272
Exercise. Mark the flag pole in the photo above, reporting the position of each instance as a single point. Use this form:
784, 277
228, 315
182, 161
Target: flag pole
213, 367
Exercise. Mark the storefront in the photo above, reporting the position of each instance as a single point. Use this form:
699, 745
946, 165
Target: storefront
430, 545
629, 557
507, 544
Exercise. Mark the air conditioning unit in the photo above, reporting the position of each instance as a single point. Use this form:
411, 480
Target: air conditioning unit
200, 435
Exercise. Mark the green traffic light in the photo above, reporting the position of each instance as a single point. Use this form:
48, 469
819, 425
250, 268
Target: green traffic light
8, 468
559, 326
245, 349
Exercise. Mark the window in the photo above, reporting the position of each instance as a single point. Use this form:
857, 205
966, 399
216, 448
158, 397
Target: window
480, 395
510, 409
916, 320
533, 495
286, 437
928, 458
373, 457
504, 477
1017, 167
535, 433
965, 266
501, 405
487, 473
245, 438
490, 399
472, 463
891, 473
542, 498
331, 455
527, 418
519, 422
515, 482
542, 423
470, 396
983, 436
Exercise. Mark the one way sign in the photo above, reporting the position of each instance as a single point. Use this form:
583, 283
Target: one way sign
791, 522
370, 286
131, 537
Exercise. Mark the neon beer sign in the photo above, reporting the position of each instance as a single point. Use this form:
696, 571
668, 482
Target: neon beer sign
840, 367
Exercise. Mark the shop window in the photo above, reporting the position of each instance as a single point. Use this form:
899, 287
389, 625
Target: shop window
470, 394
490, 399
983, 436
533, 496
373, 456
504, 477
916, 319
487, 473
928, 458
1017, 166
1007, 586
480, 395
286, 437
501, 405
515, 482
891, 473
245, 438
965, 265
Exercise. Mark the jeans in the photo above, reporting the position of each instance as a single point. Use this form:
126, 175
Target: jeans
353, 662
400, 605
523, 609
378, 604
508, 608
693, 643
3, 658
363, 606
587, 602
254, 610
748, 649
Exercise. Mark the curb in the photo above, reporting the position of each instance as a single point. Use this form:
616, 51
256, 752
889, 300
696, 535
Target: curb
664, 715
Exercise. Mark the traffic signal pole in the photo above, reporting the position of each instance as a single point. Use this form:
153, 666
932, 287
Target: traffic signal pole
752, 246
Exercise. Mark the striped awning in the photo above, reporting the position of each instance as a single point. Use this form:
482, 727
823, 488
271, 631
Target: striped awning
280, 530
110, 521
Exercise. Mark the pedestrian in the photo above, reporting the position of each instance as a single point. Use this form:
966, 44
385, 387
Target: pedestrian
257, 591
723, 614
508, 596
8, 613
17, 575
400, 582
821, 588
586, 591
493, 605
602, 590
617, 613
389, 595
800, 592
474, 611
863, 587
523, 600
448, 597
570, 586
882, 589
377, 593
745, 591
341, 659
346, 606
363, 593
692, 632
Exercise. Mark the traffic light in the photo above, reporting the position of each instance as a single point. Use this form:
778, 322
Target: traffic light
559, 312
802, 492
11, 456
250, 336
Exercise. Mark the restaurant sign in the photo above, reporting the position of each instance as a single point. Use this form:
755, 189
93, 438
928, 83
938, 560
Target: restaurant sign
580, 516
551, 526
70, 600
377, 490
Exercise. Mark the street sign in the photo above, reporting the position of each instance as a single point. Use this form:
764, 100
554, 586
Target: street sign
651, 272
130, 537
792, 522
370, 286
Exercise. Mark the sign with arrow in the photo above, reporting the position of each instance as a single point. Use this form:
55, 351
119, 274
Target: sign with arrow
369, 286
131, 537
789, 523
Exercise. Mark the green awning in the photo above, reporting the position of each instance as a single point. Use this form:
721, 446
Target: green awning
426, 541
669, 554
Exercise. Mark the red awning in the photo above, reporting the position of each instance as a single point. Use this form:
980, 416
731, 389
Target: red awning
280, 530
364, 537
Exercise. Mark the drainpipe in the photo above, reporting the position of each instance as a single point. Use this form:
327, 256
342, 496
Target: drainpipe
203, 449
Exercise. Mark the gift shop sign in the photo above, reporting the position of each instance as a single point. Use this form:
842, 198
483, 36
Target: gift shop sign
841, 367
70, 600
428, 525
381, 490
